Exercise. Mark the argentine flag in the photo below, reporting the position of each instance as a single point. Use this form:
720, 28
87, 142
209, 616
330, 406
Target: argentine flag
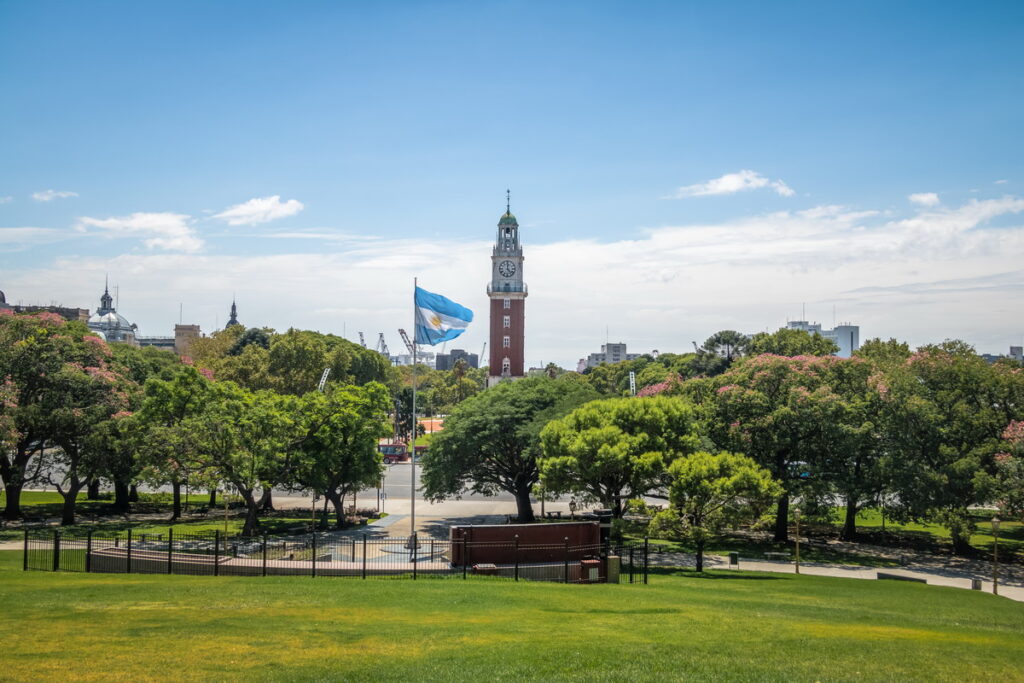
438, 318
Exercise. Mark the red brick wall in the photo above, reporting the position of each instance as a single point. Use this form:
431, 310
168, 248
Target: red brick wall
537, 542
517, 332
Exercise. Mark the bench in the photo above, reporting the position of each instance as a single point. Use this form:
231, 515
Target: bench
777, 556
899, 577
551, 514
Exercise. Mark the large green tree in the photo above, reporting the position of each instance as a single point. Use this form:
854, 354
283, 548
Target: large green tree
617, 449
709, 491
789, 342
491, 441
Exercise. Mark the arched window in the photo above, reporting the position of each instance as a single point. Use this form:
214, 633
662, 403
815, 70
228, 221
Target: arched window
506, 341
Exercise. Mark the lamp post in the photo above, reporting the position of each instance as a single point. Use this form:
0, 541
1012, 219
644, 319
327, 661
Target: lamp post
796, 516
995, 556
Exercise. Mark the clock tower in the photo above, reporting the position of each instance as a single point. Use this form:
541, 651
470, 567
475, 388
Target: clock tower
507, 293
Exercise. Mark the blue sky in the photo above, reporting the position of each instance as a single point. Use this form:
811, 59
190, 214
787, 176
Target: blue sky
388, 133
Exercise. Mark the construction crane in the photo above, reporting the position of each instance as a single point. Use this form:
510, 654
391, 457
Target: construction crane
405, 338
323, 380
382, 346
362, 340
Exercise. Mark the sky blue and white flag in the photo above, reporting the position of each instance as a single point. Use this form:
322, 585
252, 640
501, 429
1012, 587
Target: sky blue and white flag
438, 318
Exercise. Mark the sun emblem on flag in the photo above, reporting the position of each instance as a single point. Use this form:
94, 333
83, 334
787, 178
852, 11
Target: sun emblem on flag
435, 321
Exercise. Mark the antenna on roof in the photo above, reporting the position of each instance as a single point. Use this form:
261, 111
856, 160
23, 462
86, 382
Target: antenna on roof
508, 201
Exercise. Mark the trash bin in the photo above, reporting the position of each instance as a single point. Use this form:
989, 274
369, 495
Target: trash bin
734, 560
590, 571
975, 584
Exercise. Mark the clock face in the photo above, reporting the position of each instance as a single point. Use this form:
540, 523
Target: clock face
507, 268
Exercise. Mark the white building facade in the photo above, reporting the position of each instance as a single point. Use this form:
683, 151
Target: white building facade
846, 336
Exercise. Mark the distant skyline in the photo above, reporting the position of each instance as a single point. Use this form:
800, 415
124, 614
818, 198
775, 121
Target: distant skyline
677, 168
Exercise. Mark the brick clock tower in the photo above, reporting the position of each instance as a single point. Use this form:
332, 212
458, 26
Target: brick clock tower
507, 292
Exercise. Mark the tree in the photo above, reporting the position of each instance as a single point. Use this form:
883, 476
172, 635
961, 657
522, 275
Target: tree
782, 413
1010, 470
37, 353
790, 342
616, 449
339, 453
491, 441
708, 491
946, 411
718, 352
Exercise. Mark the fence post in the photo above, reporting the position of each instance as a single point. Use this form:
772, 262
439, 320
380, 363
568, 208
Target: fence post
465, 554
314, 554
88, 551
24, 562
353, 549
129, 553
216, 552
264, 554
170, 550
632, 550
364, 556
566, 577
517, 557
415, 546
647, 548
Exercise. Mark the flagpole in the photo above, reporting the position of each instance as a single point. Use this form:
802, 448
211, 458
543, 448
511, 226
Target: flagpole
412, 479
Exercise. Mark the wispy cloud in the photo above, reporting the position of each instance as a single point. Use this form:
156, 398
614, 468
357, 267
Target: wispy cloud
168, 231
924, 198
16, 239
4, 200
260, 210
1001, 182
50, 195
731, 183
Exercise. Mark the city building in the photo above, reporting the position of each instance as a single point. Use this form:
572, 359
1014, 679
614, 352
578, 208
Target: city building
69, 314
1017, 353
180, 343
846, 336
610, 353
233, 320
446, 361
427, 358
507, 293
110, 324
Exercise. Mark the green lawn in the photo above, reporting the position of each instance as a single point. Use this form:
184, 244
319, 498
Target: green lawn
725, 626
1011, 532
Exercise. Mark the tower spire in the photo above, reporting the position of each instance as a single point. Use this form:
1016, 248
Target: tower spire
106, 301
508, 201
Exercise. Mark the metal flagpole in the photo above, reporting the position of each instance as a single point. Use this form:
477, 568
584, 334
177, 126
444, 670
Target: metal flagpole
412, 446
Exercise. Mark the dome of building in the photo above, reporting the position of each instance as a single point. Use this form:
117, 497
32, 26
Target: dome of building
113, 326
507, 217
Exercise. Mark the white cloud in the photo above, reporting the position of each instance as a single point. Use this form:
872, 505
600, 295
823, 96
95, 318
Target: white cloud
731, 183
260, 210
16, 239
924, 198
652, 290
50, 195
168, 231
5, 200
1002, 182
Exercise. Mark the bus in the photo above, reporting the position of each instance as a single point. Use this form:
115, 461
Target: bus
398, 452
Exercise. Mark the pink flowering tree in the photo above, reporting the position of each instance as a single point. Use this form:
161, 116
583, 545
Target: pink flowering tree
1010, 470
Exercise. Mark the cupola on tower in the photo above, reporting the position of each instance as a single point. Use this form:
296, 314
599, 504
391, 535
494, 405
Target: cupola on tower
507, 292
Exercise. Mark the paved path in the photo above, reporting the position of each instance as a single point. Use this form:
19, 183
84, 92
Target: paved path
936, 576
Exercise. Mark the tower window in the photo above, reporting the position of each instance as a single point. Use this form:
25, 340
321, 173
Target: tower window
506, 366
507, 321
506, 341
508, 303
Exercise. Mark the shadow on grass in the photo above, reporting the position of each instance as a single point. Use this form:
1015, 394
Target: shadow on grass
714, 575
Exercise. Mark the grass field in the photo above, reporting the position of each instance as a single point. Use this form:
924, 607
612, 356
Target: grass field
724, 626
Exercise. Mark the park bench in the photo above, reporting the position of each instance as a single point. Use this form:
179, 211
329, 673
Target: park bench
552, 514
777, 556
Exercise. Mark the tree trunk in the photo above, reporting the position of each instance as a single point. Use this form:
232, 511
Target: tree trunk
67, 517
339, 508
700, 556
121, 496
252, 516
176, 498
92, 491
12, 491
266, 501
133, 494
524, 509
782, 519
213, 498
850, 523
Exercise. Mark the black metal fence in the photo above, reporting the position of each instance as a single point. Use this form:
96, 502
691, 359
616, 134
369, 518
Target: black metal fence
215, 554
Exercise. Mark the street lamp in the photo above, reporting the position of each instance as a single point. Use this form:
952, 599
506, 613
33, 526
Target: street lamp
995, 556
796, 516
